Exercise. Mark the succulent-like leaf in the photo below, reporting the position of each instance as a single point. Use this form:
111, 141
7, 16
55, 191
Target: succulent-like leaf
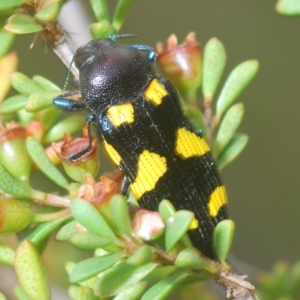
228, 127
101, 30
121, 277
100, 10
49, 12
88, 216
232, 151
177, 226
89, 241
31, 272
7, 4
39, 233
40, 100
45, 83
196, 118
214, 60
166, 209
222, 239
161, 290
13, 104
13, 186
15, 216
140, 257
93, 266
8, 65
22, 24
119, 210
40, 158
67, 231
132, 293
23, 84
6, 254
121, 11
71, 125
6, 39
288, 7
192, 259
238, 79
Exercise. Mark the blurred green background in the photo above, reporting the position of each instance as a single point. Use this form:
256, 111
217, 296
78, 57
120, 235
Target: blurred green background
263, 183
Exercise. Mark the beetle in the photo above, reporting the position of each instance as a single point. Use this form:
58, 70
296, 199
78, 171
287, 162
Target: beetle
144, 131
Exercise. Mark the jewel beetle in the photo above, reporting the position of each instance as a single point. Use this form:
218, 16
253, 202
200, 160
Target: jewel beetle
144, 131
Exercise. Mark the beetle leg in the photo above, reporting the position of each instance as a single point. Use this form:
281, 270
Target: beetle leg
125, 186
65, 102
78, 155
151, 53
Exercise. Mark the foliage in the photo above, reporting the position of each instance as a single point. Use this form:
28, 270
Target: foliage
136, 253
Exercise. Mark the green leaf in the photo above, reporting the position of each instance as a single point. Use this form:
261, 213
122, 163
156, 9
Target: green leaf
196, 118
6, 38
93, 266
89, 241
232, 151
176, 227
23, 84
100, 10
7, 4
13, 104
45, 84
67, 231
121, 277
6, 254
8, 65
101, 30
31, 272
50, 12
22, 24
13, 186
20, 293
40, 232
214, 60
88, 216
192, 259
288, 7
119, 210
121, 11
162, 289
2, 297
238, 79
38, 155
294, 280
40, 100
228, 127
140, 257
222, 239
132, 293
166, 209
71, 125
15, 216
84, 293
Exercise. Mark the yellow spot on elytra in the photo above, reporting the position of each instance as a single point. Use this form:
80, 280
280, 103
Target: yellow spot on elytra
216, 200
120, 114
150, 168
155, 92
194, 224
188, 144
112, 153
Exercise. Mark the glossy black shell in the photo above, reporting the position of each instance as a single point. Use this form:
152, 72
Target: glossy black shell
111, 74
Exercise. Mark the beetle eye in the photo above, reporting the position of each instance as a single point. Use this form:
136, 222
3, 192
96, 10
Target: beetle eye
82, 55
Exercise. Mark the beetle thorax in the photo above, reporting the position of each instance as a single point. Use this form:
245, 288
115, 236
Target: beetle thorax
114, 76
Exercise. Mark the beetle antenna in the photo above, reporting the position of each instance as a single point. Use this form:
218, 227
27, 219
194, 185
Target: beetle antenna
68, 75
114, 37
